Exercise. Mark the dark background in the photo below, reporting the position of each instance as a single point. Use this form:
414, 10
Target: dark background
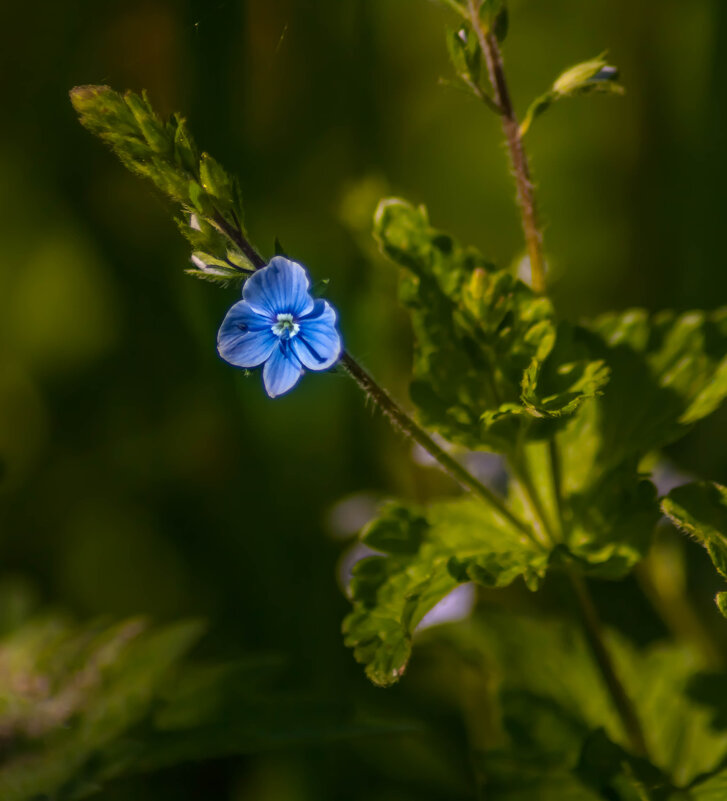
140, 474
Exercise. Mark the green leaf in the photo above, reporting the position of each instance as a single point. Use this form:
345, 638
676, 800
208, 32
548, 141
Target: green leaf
560, 377
219, 271
427, 553
613, 773
553, 702
667, 371
494, 18
465, 54
587, 77
700, 509
165, 153
489, 362
685, 361
714, 788
609, 524
83, 705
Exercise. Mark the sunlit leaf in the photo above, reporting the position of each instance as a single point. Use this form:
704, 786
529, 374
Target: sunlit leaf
427, 554
165, 153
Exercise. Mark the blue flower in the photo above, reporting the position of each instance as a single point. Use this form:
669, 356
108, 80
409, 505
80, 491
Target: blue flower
279, 324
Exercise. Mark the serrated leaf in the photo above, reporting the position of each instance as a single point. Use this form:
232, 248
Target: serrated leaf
165, 153
559, 383
700, 509
610, 523
427, 553
560, 377
666, 372
483, 339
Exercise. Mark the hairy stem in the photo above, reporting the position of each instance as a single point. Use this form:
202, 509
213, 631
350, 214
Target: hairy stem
518, 158
594, 634
534, 242
406, 424
388, 405
521, 473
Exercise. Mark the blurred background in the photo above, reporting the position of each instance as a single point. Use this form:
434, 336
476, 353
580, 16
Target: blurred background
139, 474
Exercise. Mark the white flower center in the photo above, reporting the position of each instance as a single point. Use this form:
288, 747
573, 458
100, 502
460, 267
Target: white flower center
285, 328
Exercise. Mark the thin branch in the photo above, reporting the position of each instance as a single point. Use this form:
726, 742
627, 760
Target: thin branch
402, 421
521, 169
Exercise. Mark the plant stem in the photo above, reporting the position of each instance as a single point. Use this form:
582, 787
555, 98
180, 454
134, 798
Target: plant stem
594, 634
521, 473
533, 239
389, 406
511, 128
402, 421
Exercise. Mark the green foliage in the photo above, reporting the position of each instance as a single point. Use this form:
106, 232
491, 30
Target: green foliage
494, 18
488, 350
587, 77
426, 554
574, 408
81, 706
713, 788
700, 509
493, 369
165, 154
668, 371
613, 773
465, 55
559, 732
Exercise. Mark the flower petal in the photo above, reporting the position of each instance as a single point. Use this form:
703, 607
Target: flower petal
245, 338
318, 343
279, 288
282, 371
